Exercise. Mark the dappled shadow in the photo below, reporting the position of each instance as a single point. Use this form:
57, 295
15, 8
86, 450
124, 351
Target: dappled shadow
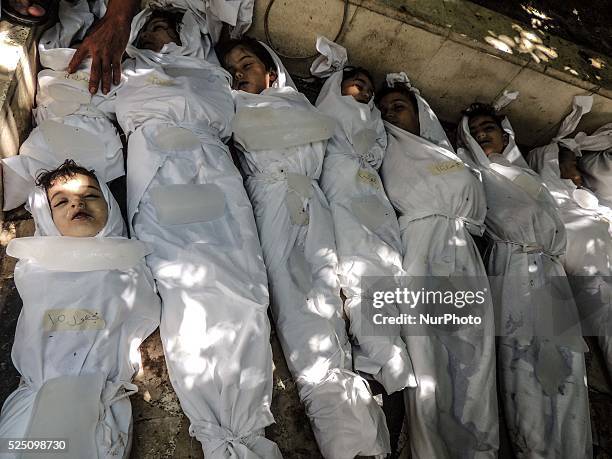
532, 37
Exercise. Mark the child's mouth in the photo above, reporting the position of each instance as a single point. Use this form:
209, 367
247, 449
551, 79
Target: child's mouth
81, 216
242, 84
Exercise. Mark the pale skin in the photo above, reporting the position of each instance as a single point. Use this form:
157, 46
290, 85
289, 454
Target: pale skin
399, 110
248, 72
489, 135
359, 87
78, 206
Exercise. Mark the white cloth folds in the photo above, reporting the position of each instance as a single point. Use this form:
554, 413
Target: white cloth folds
297, 237
588, 257
595, 163
543, 381
264, 128
91, 142
78, 335
71, 123
440, 205
210, 274
366, 228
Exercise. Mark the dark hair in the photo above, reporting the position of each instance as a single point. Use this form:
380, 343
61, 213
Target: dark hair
66, 170
479, 109
173, 16
400, 88
350, 71
225, 47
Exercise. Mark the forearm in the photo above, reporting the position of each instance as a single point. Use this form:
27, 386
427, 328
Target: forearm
123, 10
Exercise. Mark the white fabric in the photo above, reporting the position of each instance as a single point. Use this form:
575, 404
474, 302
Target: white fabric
76, 422
440, 205
178, 204
366, 228
74, 19
193, 33
264, 128
297, 236
505, 99
15, 188
91, 142
588, 258
543, 379
78, 253
238, 14
210, 275
72, 123
76, 324
596, 161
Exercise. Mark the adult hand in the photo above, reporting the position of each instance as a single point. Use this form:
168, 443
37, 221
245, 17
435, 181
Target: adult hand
105, 44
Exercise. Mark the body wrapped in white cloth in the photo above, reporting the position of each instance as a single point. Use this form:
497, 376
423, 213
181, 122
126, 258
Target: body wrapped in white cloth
366, 228
441, 204
71, 122
587, 220
88, 303
187, 201
282, 138
543, 375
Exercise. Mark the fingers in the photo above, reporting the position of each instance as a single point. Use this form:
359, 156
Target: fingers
106, 72
116, 70
80, 54
94, 75
36, 10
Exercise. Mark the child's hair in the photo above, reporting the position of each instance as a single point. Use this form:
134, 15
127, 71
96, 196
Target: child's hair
172, 15
480, 109
225, 47
350, 71
399, 88
68, 169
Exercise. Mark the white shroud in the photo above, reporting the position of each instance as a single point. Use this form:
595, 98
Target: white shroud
543, 376
588, 257
187, 201
283, 162
76, 345
596, 161
71, 123
366, 228
453, 411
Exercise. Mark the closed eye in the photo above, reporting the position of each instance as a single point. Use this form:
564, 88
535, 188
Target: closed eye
60, 202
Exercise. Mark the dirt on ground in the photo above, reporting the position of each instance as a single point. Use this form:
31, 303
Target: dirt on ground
587, 24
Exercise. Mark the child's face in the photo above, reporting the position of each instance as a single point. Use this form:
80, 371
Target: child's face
489, 135
399, 110
248, 71
360, 87
156, 33
568, 167
78, 206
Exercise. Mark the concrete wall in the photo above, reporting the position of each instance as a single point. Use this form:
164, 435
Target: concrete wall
455, 52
